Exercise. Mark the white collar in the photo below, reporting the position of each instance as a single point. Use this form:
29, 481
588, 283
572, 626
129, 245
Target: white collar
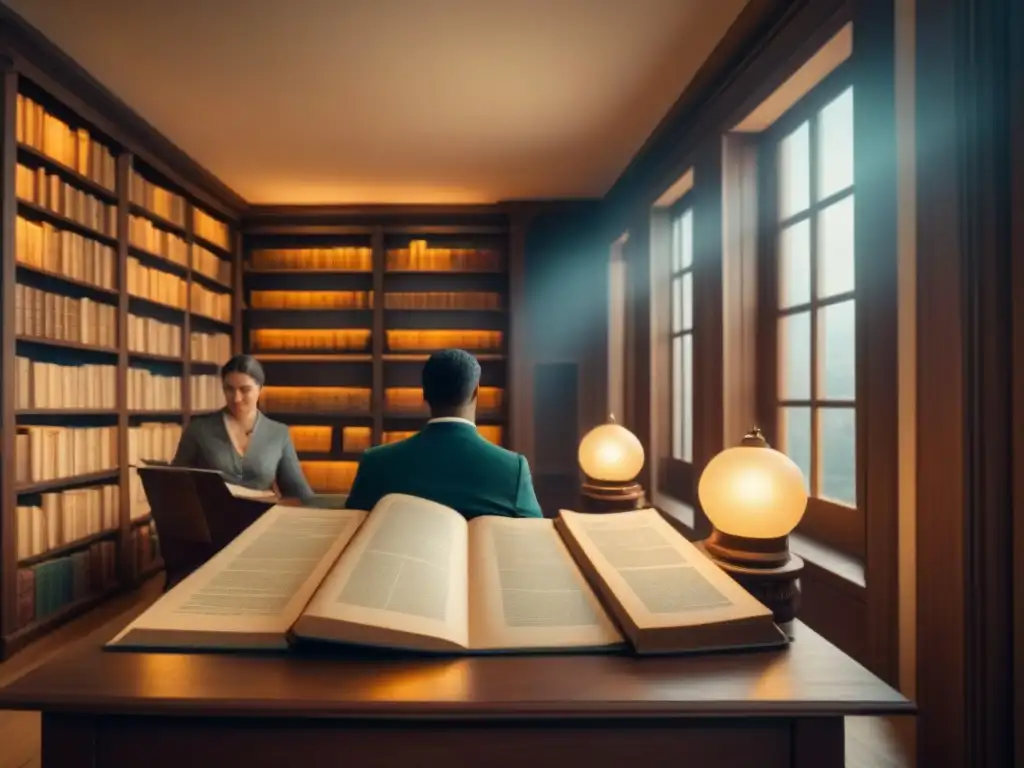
451, 418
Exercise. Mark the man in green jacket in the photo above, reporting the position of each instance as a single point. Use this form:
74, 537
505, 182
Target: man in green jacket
448, 461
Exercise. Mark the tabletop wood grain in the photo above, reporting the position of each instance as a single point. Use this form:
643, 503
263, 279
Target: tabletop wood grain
810, 677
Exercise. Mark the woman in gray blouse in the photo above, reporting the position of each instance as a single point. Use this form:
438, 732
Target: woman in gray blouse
245, 446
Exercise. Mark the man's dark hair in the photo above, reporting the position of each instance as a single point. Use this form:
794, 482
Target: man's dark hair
246, 364
449, 378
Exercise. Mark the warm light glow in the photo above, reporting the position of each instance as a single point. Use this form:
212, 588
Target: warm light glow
610, 453
753, 491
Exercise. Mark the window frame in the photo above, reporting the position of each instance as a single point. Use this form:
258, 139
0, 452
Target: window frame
678, 477
833, 524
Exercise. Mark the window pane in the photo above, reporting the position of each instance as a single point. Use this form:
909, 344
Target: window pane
675, 246
795, 172
794, 361
687, 301
686, 236
837, 443
677, 397
688, 397
835, 145
795, 438
837, 355
795, 264
836, 272
677, 304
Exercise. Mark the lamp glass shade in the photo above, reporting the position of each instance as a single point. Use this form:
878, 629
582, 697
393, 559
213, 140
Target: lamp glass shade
755, 492
610, 453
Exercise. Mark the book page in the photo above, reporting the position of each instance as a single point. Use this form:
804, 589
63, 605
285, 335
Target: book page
526, 591
241, 492
251, 592
402, 582
660, 578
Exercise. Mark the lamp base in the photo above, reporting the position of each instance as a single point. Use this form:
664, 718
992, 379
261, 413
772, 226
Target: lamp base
777, 587
598, 497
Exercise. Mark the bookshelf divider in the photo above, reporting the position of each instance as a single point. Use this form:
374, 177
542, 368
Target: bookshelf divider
78, 319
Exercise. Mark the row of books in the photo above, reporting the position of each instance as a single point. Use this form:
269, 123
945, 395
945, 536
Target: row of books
406, 340
144, 234
207, 392
342, 258
420, 257
47, 587
311, 299
207, 227
277, 399
50, 191
441, 300
308, 438
491, 432
149, 391
329, 476
150, 336
156, 285
157, 200
211, 303
66, 517
43, 246
152, 441
307, 340
205, 262
479, 300
52, 453
41, 385
148, 441
210, 347
73, 147
313, 439
41, 314
410, 399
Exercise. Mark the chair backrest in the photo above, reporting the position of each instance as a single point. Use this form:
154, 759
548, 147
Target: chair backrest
185, 540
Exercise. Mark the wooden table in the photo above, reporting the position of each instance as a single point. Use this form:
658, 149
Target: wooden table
168, 710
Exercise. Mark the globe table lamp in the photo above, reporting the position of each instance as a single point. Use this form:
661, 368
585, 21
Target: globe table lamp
754, 496
611, 457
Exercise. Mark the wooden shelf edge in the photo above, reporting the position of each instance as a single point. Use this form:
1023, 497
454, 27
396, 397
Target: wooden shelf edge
286, 271
66, 412
25, 635
65, 344
211, 282
65, 549
66, 482
66, 222
214, 248
140, 210
154, 303
80, 179
300, 357
155, 358
66, 279
180, 270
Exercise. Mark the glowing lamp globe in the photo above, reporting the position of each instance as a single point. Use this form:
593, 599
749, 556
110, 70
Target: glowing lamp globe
753, 491
611, 457
754, 496
610, 453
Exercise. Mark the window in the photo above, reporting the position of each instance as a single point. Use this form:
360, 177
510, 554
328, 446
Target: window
681, 332
809, 307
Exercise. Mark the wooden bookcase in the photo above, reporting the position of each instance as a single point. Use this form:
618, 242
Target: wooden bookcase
105, 260
354, 309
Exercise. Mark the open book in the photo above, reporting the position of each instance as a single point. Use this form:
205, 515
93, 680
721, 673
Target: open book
415, 575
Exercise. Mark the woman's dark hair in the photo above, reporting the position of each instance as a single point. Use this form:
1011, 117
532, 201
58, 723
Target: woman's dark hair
246, 364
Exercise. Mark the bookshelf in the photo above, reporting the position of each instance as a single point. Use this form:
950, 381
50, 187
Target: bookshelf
118, 293
343, 316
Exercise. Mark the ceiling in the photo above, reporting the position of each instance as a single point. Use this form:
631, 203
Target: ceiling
395, 101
